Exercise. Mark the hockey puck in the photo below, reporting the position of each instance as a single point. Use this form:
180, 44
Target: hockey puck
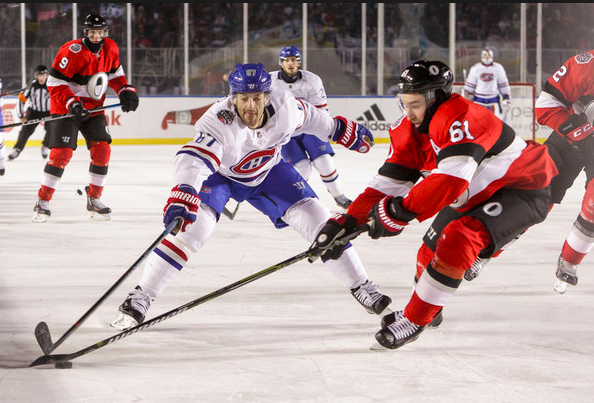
63, 364
79, 192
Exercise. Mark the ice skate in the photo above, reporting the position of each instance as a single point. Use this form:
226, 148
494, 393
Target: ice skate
399, 333
566, 275
97, 210
15, 153
2, 171
394, 316
343, 201
368, 295
132, 310
42, 211
44, 152
475, 269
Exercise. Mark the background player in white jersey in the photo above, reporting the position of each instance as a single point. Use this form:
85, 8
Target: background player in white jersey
486, 81
306, 150
236, 154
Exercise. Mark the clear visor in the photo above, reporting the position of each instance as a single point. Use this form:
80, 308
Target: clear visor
92, 32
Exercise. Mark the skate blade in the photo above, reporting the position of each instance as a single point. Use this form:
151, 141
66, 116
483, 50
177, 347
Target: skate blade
561, 286
378, 347
98, 217
39, 217
123, 322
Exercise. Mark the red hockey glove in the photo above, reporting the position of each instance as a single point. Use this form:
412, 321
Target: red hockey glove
76, 108
337, 226
183, 202
128, 98
352, 135
388, 217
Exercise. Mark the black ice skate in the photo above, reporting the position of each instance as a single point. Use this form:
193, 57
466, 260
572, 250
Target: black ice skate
132, 310
399, 333
371, 298
97, 210
566, 275
343, 201
393, 316
15, 153
475, 269
42, 211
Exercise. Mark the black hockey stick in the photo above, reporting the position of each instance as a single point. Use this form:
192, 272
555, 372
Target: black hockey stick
317, 251
12, 92
42, 333
50, 118
230, 215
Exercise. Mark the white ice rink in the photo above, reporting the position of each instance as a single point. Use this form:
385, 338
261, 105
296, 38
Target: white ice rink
294, 336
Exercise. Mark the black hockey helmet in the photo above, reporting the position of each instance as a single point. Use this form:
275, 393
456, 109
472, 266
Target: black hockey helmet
431, 78
41, 69
94, 21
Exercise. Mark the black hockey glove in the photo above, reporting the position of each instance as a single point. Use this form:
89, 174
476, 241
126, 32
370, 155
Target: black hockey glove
337, 226
128, 98
388, 217
80, 113
579, 132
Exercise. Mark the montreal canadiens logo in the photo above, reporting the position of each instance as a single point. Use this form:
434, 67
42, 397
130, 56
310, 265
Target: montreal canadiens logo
487, 77
584, 58
253, 162
225, 116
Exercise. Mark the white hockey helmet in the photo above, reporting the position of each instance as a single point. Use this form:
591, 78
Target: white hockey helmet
486, 55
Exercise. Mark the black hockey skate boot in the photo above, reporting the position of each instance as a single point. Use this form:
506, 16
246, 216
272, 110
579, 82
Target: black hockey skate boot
42, 211
343, 201
566, 275
15, 153
132, 310
399, 333
368, 295
97, 210
475, 269
392, 317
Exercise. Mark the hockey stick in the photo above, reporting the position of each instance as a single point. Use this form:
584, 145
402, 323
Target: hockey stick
12, 92
230, 215
315, 252
42, 333
50, 118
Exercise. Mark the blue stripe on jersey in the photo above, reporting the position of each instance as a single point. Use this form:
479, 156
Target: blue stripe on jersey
194, 154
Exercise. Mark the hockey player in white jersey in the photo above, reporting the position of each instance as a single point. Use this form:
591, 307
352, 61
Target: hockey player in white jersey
485, 83
236, 154
305, 150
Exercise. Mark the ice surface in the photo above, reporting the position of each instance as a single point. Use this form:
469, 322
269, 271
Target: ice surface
293, 336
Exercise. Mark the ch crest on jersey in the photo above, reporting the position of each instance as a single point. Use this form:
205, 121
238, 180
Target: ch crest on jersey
75, 48
584, 58
487, 77
253, 161
225, 116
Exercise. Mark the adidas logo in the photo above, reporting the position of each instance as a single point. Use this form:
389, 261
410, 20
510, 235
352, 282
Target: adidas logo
374, 119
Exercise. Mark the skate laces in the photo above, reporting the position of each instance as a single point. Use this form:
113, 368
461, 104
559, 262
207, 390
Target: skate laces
478, 265
96, 203
402, 327
565, 267
367, 293
139, 300
42, 204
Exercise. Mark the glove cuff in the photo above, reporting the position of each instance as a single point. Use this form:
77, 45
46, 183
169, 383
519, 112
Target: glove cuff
126, 87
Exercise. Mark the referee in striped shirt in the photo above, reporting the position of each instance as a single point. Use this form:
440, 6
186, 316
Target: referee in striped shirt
38, 99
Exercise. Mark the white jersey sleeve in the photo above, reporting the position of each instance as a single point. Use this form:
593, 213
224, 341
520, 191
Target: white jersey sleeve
487, 81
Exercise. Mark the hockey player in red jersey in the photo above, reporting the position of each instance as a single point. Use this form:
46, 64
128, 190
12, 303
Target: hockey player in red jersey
496, 183
566, 105
80, 75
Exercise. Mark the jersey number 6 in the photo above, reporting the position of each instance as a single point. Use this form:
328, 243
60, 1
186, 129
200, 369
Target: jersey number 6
456, 132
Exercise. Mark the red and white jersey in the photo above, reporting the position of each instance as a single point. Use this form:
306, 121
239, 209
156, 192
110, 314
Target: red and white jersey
224, 144
487, 81
72, 68
566, 91
467, 155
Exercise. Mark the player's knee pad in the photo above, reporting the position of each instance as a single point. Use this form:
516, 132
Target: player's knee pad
307, 217
459, 245
200, 231
304, 168
100, 153
60, 157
